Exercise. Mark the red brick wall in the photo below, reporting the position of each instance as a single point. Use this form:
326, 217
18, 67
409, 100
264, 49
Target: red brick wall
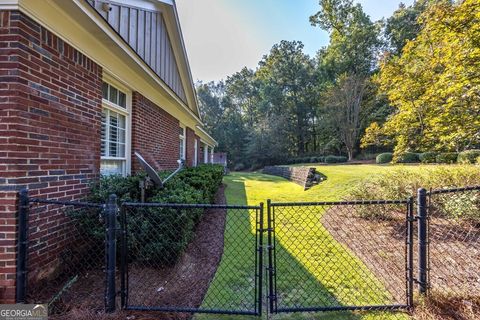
50, 109
155, 135
190, 153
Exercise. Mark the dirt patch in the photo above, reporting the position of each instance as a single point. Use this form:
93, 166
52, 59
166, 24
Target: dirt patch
182, 285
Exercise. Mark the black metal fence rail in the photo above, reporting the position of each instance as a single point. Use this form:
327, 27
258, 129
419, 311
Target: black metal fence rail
343, 226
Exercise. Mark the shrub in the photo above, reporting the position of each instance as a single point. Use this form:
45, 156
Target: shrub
427, 157
335, 159
468, 156
384, 158
239, 167
407, 157
403, 182
447, 157
478, 160
190, 186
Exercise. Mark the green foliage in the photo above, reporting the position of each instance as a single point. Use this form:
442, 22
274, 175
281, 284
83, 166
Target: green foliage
385, 157
335, 159
446, 157
406, 157
468, 156
433, 85
403, 182
428, 157
190, 186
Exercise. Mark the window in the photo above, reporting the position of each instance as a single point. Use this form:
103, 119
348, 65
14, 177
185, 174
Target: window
114, 132
115, 96
182, 143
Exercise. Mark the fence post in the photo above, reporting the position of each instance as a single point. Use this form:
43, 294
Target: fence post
270, 244
111, 210
260, 231
123, 258
23, 208
422, 240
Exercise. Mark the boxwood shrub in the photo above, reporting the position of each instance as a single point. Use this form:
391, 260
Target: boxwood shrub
335, 159
146, 224
468, 156
428, 157
385, 157
407, 157
447, 157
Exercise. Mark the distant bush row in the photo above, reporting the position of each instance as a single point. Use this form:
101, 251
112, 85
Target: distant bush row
464, 157
318, 159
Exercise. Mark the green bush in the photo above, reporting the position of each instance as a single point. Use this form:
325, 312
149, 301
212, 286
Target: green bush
403, 182
468, 156
384, 158
335, 159
145, 224
427, 157
447, 157
407, 157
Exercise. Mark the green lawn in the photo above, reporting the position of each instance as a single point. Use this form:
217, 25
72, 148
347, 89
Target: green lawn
303, 261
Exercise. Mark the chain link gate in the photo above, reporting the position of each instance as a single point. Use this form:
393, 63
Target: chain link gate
154, 239
336, 261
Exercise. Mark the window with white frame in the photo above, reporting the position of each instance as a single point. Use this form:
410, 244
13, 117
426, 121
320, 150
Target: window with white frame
115, 133
182, 143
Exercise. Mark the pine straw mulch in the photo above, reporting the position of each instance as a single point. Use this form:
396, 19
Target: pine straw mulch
454, 259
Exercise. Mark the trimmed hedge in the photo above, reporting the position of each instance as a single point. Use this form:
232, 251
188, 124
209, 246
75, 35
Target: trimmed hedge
447, 157
335, 159
468, 156
384, 158
176, 226
428, 157
407, 157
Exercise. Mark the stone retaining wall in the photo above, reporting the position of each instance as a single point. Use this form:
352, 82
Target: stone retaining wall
303, 176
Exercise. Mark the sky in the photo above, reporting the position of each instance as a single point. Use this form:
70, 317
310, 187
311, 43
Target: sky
223, 36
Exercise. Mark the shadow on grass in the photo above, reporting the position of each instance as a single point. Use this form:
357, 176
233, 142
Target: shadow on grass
233, 287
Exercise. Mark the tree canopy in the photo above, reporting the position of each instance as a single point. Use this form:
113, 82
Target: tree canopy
410, 82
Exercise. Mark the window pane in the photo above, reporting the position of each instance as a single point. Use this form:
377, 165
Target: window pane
113, 95
182, 131
121, 150
122, 99
113, 149
105, 90
121, 121
110, 167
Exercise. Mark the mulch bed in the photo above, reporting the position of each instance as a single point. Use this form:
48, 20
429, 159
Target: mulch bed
183, 285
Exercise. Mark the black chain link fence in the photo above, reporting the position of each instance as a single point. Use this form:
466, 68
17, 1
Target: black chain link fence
341, 256
324, 256
183, 257
65, 260
454, 242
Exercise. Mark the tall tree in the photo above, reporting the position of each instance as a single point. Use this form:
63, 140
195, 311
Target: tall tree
434, 85
344, 102
288, 87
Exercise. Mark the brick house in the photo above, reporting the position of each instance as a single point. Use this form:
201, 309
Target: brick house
83, 85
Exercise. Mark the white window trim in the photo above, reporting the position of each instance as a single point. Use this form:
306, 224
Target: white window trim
183, 138
127, 112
